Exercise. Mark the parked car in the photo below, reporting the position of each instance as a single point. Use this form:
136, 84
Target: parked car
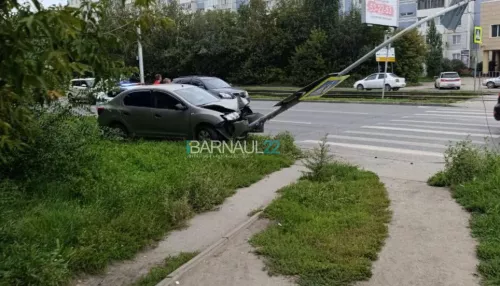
376, 81
80, 89
104, 97
496, 109
214, 85
492, 82
448, 80
175, 110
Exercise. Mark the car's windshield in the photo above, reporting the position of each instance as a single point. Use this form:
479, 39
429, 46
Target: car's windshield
214, 83
196, 96
450, 75
90, 82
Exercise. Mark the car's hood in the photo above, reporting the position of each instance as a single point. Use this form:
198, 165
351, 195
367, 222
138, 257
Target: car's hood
229, 90
227, 105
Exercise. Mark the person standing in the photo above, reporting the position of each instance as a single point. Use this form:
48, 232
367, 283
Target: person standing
157, 79
166, 81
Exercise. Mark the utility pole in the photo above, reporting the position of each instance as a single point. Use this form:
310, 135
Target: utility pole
386, 58
139, 52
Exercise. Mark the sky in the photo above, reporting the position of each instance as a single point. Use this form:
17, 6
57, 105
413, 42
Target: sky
47, 3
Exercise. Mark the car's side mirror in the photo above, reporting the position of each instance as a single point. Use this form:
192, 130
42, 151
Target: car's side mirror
179, 106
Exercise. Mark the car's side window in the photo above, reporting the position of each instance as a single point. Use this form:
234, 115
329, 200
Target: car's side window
139, 99
76, 83
381, 76
372, 77
198, 83
164, 100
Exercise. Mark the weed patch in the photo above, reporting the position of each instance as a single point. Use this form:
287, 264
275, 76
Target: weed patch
328, 227
170, 264
73, 201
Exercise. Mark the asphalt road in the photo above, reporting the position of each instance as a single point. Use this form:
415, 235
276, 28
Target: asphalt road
392, 130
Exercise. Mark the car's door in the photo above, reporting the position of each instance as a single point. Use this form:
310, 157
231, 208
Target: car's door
497, 81
369, 81
137, 112
169, 119
379, 82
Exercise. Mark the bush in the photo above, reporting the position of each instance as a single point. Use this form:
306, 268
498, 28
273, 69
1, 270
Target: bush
72, 201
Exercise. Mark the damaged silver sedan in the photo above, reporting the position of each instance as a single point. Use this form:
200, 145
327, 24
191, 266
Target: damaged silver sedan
180, 111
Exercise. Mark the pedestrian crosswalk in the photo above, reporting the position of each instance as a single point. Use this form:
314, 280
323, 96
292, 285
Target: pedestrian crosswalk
427, 132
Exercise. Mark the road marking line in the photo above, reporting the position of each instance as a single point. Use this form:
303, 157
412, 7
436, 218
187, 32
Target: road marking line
449, 115
412, 143
434, 127
456, 112
430, 131
315, 111
478, 119
410, 136
377, 148
292, 122
438, 122
463, 109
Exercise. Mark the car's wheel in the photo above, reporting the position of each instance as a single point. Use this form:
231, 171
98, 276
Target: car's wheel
387, 87
396, 89
436, 86
490, 84
119, 130
360, 87
458, 88
206, 133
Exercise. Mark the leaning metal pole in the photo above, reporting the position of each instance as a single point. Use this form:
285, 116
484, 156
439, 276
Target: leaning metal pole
398, 35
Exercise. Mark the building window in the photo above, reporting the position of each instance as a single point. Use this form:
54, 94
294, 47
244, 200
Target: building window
495, 31
456, 39
407, 14
456, 56
430, 4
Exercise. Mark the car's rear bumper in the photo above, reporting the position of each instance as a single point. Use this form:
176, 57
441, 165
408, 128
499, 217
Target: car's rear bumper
450, 84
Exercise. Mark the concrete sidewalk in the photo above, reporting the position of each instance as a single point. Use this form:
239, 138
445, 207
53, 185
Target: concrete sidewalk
203, 230
429, 243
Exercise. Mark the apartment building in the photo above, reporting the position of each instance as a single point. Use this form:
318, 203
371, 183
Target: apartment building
490, 23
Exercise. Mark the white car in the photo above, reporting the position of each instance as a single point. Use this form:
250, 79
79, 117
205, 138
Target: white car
376, 80
448, 80
80, 89
492, 82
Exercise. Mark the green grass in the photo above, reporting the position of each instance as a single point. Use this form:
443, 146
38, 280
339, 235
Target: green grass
159, 273
474, 177
368, 100
78, 202
327, 231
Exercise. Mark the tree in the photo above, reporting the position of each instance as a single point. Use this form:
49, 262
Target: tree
307, 63
410, 54
457, 65
435, 48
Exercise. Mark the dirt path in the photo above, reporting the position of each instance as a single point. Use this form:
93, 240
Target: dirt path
429, 242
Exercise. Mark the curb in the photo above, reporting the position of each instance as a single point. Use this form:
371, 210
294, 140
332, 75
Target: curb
363, 102
175, 276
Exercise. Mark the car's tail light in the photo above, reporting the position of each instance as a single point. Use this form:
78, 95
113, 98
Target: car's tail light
100, 109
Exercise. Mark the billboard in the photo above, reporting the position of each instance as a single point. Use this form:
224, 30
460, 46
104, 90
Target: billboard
478, 35
382, 54
380, 12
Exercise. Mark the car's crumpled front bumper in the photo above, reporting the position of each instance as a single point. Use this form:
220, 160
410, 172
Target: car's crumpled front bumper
239, 128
